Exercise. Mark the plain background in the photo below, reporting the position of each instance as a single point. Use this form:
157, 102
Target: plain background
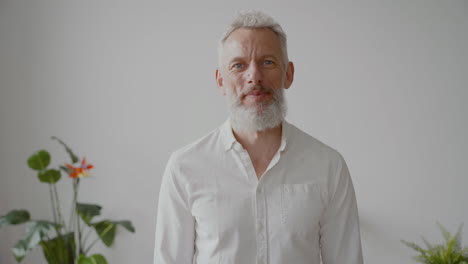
126, 83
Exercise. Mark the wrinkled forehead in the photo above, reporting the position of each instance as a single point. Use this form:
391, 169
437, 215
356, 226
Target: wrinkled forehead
251, 42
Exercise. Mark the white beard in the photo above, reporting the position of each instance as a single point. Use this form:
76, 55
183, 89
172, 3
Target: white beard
260, 117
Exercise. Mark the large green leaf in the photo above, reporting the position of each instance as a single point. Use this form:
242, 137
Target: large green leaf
84, 260
127, 225
59, 250
35, 231
106, 230
88, 211
49, 176
39, 160
94, 259
14, 217
72, 155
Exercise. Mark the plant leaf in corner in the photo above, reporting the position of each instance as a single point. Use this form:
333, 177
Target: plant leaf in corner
60, 249
35, 231
94, 259
49, 176
106, 231
88, 211
39, 160
14, 217
72, 155
126, 224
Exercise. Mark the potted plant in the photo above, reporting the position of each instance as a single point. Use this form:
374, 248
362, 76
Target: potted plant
63, 243
449, 253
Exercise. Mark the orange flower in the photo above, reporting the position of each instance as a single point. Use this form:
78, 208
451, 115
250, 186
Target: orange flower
81, 171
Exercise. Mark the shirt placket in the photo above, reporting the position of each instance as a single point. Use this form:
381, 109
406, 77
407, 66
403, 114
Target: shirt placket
260, 205
261, 226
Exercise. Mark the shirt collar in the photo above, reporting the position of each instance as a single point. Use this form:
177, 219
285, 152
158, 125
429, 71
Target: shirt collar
229, 140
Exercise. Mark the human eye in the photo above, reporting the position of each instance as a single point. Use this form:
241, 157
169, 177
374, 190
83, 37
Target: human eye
268, 63
237, 66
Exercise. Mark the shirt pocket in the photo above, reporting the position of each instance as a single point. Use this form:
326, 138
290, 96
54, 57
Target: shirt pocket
301, 207
219, 211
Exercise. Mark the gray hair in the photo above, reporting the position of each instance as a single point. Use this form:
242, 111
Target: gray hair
252, 20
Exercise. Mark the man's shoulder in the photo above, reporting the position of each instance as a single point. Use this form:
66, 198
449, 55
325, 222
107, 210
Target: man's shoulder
207, 145
308, 144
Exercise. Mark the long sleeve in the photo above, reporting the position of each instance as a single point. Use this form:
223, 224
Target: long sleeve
174, 239
339, 227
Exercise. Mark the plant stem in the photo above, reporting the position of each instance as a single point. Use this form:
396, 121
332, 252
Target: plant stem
57, 211
105, 231
87, 236
72, 217
57, 204
75, 198
52, 203
73, 208
75, 234
91, 245
80, 223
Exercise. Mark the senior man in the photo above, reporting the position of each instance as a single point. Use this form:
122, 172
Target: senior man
257, 189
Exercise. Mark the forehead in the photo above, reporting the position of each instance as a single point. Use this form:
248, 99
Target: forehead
258, 42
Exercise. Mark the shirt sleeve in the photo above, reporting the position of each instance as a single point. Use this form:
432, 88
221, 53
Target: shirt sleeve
174, 238
340, 238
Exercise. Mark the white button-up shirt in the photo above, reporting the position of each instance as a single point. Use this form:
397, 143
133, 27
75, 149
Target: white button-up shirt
213, 209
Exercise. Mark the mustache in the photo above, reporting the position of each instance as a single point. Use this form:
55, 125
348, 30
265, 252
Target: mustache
257, 87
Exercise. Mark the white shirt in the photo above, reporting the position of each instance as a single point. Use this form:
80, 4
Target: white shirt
214, 210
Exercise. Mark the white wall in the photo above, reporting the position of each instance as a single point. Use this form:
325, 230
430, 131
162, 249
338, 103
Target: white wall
383, 82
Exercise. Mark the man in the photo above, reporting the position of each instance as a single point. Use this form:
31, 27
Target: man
257, 189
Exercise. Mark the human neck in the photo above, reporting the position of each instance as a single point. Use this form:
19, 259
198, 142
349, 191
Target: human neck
265, 141
261, 146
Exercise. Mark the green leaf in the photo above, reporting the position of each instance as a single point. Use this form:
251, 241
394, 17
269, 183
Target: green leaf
84, 260
14, 217
106, 231
72, 155
444, 232
49, 176
449, 252
458, 238
35, 231
39, 160
94, 259
60, 249
428, 244
412, 245
98, 259
127, 225
88, 211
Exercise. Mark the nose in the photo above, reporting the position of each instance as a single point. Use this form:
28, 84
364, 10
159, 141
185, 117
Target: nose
254, 74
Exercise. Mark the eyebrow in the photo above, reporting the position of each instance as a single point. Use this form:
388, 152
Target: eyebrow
235, 59
261, 57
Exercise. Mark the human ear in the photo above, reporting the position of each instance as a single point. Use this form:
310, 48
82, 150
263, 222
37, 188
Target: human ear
289, 75
219, 81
